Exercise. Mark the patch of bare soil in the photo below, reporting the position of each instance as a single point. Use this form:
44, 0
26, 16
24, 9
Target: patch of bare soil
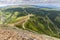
13, 33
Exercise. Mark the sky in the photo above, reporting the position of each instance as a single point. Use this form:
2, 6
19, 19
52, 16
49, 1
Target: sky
30, 2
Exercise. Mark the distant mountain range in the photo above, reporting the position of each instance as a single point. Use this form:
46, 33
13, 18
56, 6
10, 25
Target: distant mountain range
35, 6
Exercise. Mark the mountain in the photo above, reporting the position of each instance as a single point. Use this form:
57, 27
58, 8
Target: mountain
43, 22
38, 6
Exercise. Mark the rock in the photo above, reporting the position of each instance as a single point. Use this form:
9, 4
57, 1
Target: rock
7, 34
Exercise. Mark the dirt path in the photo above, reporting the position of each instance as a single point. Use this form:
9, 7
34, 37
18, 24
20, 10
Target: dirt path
22, 21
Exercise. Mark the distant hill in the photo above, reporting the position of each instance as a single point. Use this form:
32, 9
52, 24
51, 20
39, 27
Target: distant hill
43, 22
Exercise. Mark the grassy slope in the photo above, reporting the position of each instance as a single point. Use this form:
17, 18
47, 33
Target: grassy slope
40, 25
43, 22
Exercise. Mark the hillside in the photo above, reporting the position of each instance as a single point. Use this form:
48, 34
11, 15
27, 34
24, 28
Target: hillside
43, 22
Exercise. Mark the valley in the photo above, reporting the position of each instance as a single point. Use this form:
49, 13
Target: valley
36, 20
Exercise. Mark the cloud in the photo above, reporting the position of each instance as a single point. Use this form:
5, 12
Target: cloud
29, 2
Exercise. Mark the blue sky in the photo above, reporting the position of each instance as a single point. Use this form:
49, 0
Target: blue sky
30, 2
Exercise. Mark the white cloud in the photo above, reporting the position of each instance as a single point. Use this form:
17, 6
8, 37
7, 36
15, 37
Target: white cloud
29, 2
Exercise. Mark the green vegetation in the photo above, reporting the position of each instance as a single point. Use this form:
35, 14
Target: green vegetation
44, 22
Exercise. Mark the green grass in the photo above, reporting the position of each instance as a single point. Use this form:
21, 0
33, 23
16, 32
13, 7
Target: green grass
41, 27
39, 23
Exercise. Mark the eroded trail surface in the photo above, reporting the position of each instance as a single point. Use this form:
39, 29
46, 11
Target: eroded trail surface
13, 33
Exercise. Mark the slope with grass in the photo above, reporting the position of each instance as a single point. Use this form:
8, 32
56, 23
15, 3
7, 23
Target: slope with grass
43, 22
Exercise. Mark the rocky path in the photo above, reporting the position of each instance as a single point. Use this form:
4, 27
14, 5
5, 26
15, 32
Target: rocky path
13, 33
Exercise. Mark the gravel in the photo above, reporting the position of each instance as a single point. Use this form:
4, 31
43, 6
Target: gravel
12, 33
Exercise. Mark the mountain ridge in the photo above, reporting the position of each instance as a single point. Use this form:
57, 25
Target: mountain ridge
43, 21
